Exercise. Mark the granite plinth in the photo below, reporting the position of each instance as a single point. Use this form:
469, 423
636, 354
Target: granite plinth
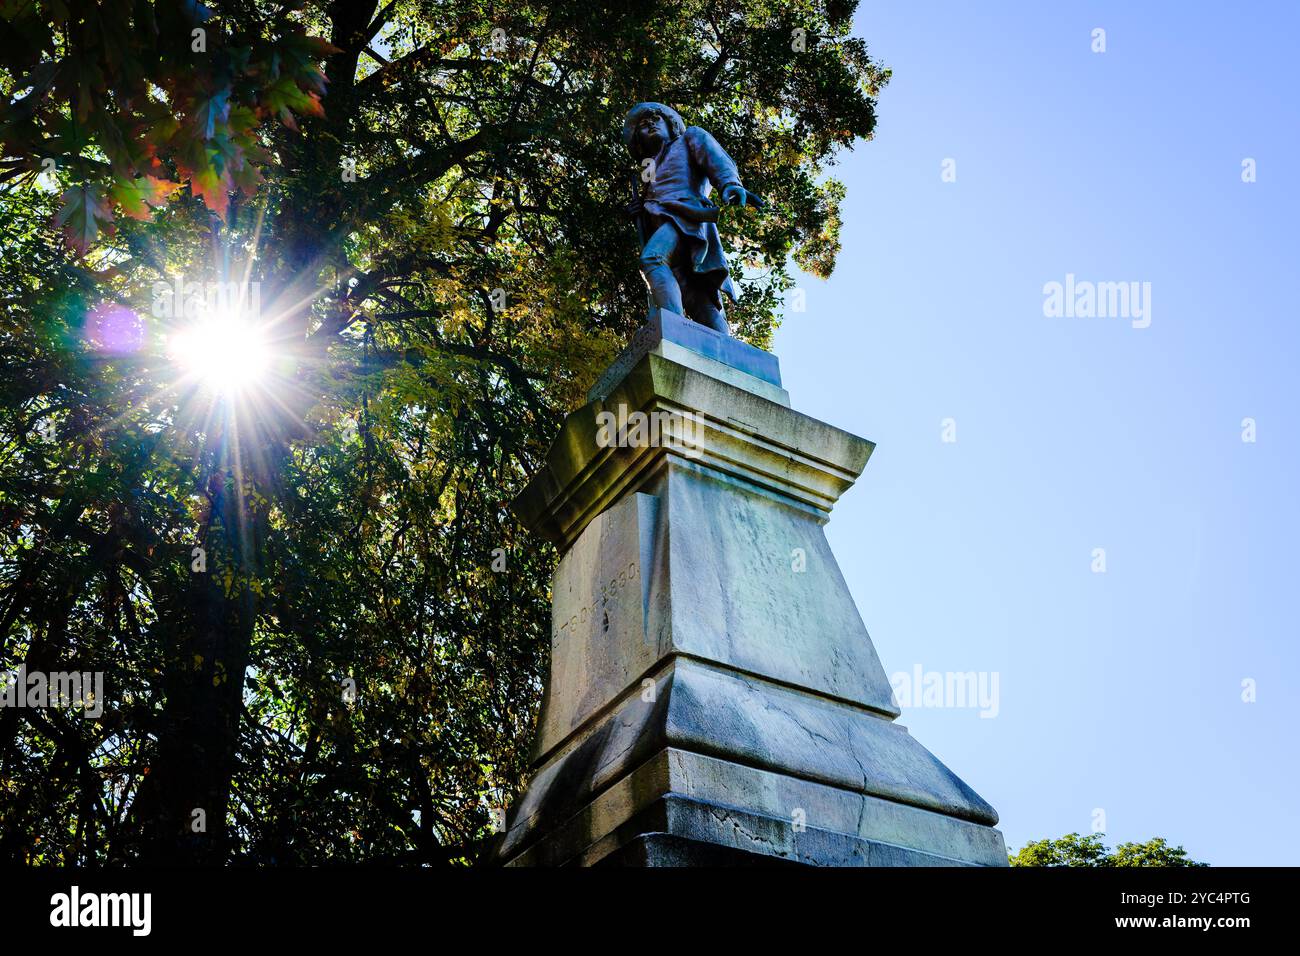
714, 696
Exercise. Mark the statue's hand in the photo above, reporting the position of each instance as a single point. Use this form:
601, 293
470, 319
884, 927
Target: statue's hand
734, 195
633, 209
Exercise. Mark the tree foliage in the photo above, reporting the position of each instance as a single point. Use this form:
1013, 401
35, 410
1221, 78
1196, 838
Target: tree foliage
1075, 850
127, 94
349, 675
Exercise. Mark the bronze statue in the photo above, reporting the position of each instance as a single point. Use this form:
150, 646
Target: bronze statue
681, 256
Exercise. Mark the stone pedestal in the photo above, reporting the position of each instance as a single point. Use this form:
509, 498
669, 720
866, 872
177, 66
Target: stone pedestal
714, 697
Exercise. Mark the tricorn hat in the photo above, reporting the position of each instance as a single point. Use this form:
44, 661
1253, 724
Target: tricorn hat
676, 126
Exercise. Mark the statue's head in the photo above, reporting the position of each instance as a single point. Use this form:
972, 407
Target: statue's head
648, 126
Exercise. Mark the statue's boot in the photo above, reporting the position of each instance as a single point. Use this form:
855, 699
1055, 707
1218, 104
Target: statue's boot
700, 306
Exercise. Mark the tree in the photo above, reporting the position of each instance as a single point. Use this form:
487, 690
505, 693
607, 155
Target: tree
294, 592
1075, 850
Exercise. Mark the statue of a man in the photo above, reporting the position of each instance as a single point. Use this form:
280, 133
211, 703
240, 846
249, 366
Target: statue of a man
681, 256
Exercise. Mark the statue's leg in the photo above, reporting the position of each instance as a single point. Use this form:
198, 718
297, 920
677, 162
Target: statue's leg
657, 271
700, 301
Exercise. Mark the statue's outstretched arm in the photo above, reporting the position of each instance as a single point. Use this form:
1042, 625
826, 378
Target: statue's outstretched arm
721, 169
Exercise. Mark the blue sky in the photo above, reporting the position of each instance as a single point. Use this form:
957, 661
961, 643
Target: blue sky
1119, 691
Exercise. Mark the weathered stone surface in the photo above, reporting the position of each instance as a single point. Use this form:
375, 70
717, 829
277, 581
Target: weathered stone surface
740, 433
752, 583
706, 801
714, 695
707, 568
600, 598
683, 340
750, 723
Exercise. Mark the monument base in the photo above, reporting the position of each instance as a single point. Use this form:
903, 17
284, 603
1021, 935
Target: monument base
714, 697
673, 814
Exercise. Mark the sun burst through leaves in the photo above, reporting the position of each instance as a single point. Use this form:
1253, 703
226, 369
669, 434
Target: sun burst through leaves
222, 350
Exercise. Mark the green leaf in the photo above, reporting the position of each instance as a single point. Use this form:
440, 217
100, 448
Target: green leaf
82, 216
135, 196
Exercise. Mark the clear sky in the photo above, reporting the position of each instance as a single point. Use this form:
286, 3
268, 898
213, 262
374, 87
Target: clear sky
1119, 691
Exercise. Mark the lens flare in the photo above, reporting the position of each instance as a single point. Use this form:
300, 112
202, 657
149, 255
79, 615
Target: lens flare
114, 329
